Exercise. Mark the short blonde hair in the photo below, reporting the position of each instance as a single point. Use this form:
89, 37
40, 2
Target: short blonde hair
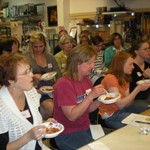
63, 38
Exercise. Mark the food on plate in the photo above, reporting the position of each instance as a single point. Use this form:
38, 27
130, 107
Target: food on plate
47, 88
48, 76
52, 130
108, 97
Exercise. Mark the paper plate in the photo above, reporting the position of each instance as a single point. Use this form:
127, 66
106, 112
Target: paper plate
52, 127
109, 98
48, 76
143, 81
46, 89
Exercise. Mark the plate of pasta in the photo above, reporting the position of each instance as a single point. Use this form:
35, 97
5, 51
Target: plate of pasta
48, 76
46, 89
109, 98
53, 129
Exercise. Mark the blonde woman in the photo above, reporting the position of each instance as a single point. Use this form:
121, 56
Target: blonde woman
41, 61
66, 44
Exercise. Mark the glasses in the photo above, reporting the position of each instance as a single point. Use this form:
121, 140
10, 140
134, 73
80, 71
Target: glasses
67, 43
29, 70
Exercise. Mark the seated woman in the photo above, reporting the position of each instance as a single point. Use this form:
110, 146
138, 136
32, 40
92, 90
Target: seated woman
141, 71
66, 44
19, 106
116, 42
84, 40
117, 80
72, 103
98, 46
42, 62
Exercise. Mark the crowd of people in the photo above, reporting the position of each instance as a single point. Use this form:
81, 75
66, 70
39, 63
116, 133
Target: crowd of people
77, 86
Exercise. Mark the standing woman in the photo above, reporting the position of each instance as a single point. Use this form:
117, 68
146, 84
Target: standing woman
72, 104
141, 52
42, 62
19, 106
116, 42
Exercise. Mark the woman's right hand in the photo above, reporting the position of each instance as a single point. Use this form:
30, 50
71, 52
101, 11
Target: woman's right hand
143, 86
97, 91
36, 133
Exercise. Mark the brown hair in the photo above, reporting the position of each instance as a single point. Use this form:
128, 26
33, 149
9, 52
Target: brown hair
8, 67
113, 36
117, 66
78, 55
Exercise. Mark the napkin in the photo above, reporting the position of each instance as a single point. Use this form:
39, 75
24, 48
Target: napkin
133, 118
96, 131
97, 145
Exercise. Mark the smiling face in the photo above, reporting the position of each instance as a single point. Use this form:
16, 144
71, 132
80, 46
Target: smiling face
128, 66
24, 77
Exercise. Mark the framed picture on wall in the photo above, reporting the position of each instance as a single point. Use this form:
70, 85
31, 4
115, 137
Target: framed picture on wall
52, 15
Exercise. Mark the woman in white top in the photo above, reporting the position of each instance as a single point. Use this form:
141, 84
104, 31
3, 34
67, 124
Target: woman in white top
19, 106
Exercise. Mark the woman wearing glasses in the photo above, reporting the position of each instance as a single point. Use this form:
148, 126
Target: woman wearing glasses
141, 52
19, 106
66, 44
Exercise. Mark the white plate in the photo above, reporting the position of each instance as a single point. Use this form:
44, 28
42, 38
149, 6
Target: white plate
48, 76
115, 96
53, 125
46, 89
143, 81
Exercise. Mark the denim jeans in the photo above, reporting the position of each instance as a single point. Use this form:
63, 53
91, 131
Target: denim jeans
74, 140
114, 121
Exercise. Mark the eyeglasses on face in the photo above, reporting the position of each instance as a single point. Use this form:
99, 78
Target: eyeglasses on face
27, 71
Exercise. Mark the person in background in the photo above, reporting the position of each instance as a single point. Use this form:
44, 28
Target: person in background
73, 100
84, 40
98, 46
42, 62
141, 52
57, 48
9, 45
118, 80
66, 44
116, 42
19, 106
86, 33
146, 37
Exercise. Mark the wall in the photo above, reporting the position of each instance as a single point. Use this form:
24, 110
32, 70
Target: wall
80, 6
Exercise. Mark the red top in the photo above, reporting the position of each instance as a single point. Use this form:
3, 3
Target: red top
67, 93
